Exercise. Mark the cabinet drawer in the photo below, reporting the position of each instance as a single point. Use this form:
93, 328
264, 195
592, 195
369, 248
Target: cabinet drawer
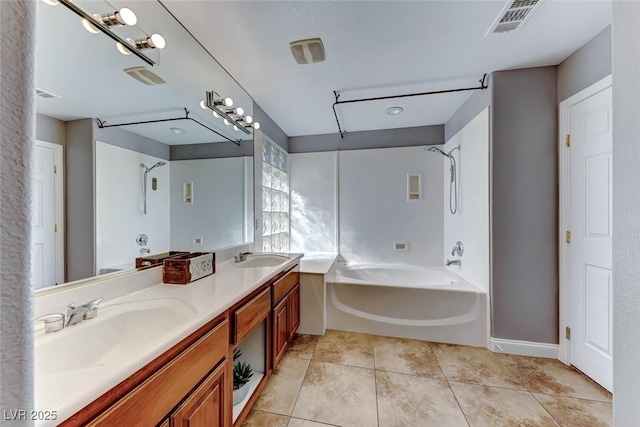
149, 403
250, 315
284, 285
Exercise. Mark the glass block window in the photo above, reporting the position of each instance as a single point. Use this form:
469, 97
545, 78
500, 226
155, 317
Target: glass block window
275, 198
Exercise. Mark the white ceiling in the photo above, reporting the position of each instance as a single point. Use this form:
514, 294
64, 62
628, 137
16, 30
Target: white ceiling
378, 48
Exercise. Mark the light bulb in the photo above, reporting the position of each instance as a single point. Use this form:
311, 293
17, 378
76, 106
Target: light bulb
127, 17
239, 111
226, 122
157, 41
203, 105
256, 125
123, 50
228, 102
248, 119
51, 2
235, 128
88, 25
216, 115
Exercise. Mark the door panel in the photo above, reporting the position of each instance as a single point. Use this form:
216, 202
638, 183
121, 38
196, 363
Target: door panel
591, 245
43, 268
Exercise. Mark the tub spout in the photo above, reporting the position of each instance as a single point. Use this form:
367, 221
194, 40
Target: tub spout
454, 262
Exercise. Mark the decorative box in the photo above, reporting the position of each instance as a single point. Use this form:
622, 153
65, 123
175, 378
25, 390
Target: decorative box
187, 268
156, 259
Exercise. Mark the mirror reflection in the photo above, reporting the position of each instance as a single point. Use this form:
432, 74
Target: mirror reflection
94, 177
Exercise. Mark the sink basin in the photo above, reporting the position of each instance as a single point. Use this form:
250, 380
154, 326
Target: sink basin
259, 260
110, 336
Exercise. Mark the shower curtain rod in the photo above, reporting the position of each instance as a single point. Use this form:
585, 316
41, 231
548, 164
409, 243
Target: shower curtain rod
483, 86
102, 125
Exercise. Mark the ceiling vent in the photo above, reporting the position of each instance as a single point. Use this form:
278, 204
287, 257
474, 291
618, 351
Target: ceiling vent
46, 95
308, 51
145, 75
513, 16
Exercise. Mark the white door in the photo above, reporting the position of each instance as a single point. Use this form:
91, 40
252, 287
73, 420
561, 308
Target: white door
591, 236
45, 256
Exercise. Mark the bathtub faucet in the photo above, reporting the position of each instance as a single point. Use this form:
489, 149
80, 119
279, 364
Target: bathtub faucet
454, 262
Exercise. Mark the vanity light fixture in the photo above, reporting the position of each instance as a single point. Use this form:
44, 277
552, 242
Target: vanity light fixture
124, 16
95, 23
231, 116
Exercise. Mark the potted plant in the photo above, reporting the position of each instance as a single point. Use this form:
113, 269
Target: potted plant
242, 373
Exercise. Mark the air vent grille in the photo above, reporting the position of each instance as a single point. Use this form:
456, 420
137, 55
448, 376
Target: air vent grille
46, 95
145, 75
514, 15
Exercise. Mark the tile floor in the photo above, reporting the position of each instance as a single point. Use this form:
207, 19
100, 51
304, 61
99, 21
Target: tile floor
351, 379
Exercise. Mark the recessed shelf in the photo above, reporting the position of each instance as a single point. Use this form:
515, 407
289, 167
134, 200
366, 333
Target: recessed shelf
253, 383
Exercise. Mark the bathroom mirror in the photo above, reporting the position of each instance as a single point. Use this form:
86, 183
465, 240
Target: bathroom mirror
81, 76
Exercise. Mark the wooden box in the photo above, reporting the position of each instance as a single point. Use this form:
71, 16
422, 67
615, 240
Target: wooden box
156, 259
187, 268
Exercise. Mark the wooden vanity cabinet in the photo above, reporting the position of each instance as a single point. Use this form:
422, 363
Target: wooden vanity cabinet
195, 375
286, 311
206, 406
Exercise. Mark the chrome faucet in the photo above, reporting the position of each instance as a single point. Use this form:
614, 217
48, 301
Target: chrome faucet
454, 262
242, 256
85, 311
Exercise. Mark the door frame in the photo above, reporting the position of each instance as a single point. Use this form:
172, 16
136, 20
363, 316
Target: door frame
59, 218
564, 221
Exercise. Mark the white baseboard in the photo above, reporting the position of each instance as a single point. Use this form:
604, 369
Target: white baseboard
524, 348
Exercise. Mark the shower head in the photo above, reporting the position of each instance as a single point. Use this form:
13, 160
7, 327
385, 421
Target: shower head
436, 150
152, 167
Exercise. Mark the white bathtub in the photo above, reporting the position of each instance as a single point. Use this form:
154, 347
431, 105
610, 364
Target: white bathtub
428, 303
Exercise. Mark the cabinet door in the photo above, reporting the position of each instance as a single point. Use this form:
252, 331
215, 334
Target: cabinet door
206, 406
294, 311
280, 330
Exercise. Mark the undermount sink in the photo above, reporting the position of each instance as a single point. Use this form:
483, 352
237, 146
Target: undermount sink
262, 260
110, 336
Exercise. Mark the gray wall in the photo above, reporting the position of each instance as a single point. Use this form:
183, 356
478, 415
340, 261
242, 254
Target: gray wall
123, 138
401, 137
50, 130
585, 66
79, 199
211, 151
270, 128
626, 212
474, 105
525, 205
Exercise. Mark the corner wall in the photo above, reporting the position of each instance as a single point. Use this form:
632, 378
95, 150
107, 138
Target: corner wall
587, 65
626, 212
525, 205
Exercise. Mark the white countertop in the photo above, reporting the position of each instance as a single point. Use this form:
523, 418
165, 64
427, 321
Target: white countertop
68, 392
317, 262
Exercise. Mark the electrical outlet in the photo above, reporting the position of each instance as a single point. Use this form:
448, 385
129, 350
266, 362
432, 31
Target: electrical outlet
198, 241
400, 246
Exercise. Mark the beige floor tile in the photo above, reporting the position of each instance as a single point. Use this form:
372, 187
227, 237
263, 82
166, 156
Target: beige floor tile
345, 348
551, 376
303, 346
474, 365
405, 356
498, 407
572, 412
336, 394
263, 419
281, 391
297, 422
405, 401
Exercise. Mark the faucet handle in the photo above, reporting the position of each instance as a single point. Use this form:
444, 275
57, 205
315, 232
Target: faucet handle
53, 322
92, 308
